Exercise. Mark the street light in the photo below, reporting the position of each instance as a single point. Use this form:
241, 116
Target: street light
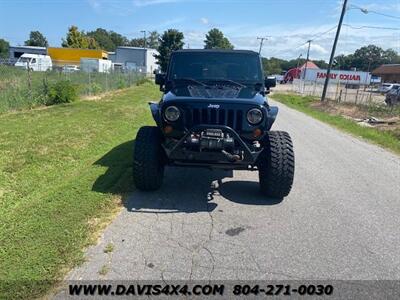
298, 60
144, 38
344, 10
363, 10
261, 43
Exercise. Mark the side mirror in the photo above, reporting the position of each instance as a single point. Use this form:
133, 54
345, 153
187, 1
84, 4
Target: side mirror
270, 82
160, 79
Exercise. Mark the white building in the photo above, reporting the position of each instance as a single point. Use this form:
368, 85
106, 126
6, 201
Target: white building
135, 58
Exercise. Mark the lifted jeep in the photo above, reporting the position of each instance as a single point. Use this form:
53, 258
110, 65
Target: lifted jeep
214, 113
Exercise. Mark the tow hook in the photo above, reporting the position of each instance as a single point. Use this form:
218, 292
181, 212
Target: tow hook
231, 157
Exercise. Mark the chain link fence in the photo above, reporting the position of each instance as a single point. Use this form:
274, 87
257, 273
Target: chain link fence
339, 92
22, 88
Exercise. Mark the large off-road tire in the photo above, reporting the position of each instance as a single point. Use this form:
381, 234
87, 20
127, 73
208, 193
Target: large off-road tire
276, 165
148, 160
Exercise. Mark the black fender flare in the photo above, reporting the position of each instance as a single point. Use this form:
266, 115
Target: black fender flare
155, 112
271, 117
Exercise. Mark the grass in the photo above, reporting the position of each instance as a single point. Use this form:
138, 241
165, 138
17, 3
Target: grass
387, 139
109, 248
104, 270
63, 171
20, 89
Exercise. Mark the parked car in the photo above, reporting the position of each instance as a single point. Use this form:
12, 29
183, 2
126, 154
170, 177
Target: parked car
34, 62
70, 69
393, 97
279, 78
386, 87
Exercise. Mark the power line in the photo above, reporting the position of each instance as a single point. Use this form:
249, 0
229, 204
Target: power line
367, 11
371, 27
385, 15
322, 33
314, 37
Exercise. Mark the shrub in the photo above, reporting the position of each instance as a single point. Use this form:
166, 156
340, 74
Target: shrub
96, 88
143, 80
62, 91
121, 84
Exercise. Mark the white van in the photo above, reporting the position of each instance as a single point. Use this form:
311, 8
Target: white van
96, 65
34, 62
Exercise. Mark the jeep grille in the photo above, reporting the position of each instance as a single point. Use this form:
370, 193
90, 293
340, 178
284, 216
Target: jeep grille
212, 116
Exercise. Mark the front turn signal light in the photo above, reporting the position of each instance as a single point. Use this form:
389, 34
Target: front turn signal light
257, 132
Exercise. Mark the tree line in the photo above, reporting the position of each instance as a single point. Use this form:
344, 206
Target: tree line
275, 65
100, 38
365, 58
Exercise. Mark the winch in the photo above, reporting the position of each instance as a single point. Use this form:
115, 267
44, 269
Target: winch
211, 139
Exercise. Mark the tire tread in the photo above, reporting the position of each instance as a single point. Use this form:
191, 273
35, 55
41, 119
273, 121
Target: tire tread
276, 165
148, 168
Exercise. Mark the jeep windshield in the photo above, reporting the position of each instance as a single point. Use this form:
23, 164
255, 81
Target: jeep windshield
213, 67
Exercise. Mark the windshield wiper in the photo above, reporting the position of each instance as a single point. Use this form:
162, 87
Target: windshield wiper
229, 81
191, 80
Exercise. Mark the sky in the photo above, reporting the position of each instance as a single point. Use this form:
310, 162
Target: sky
287, 24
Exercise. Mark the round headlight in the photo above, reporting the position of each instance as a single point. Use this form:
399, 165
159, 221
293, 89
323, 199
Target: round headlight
172, 113
254, 116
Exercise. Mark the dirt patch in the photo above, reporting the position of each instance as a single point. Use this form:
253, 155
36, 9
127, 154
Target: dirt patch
103, 95
381, 118
340, 109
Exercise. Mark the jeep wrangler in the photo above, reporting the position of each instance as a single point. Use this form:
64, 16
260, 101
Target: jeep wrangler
214, 113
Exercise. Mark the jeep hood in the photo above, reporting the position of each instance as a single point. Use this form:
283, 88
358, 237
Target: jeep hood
221, 94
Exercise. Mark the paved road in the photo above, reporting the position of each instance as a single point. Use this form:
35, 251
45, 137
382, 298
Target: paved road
341, 221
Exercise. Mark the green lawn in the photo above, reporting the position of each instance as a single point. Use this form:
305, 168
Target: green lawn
386, 139
20, 89
63, 171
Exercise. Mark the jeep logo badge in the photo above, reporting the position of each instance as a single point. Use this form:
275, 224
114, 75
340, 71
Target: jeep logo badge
213, 106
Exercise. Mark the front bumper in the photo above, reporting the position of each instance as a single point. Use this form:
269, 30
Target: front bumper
181, 153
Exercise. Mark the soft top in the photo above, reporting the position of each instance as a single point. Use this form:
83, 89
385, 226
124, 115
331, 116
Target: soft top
215, 50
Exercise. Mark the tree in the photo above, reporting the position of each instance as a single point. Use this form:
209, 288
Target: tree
152, 41
275, 65
390, 57
36, 38
118, 39
170, 41
102, 38
272, 65
343, 62
4, 46
367, 58
137, 42
215, 39
108, 40
321, 63
78, 39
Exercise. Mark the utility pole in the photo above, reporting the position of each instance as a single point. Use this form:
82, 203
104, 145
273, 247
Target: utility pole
328, 72
308, 57
261, 43
305, 67
144, 38
298, 61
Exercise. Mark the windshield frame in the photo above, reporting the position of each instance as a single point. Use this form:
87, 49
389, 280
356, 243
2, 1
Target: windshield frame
224, 80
